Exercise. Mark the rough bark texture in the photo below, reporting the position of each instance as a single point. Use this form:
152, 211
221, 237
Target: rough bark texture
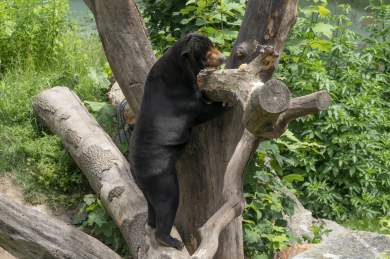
27, 233
100, 160
126, 44
266, 22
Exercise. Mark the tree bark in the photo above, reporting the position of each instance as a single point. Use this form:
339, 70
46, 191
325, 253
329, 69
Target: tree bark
26, 233
126, 44
272, 20
203, 167
107, 170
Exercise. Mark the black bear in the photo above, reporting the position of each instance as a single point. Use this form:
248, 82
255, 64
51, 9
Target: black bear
171, 106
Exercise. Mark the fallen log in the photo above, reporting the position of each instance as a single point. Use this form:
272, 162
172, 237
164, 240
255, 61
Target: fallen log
107, 170
27, 233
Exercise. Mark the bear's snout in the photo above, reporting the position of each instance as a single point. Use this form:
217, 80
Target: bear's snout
214, 58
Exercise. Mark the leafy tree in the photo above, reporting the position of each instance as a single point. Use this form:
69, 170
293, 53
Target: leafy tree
169, 20
349, 175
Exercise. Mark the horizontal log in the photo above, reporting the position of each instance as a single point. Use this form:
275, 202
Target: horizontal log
299, 107
27, 233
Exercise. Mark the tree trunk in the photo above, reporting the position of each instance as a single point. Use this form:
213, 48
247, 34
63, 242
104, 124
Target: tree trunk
107, 170
203, 167
126, 44
27, 233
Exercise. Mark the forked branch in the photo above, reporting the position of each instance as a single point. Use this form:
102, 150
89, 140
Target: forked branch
268, 109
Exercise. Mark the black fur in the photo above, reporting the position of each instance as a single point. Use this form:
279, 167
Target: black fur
172, 105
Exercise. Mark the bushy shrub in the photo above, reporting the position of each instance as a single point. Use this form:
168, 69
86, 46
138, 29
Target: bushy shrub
169, 20
267, 205
350, 174
93, 219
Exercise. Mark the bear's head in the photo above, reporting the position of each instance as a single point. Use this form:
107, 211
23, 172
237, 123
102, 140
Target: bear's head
200, 52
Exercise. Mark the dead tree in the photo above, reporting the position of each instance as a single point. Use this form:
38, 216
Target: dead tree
211, 171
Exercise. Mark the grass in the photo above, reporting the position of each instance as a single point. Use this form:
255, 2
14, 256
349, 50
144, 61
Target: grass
379, 225
37, 159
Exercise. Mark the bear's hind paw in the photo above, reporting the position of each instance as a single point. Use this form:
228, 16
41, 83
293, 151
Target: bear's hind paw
167, 240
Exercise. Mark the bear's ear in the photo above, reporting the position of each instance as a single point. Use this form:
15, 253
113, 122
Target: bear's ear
187, 49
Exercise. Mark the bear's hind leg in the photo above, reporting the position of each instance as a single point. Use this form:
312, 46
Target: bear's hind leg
151, 215
165, 200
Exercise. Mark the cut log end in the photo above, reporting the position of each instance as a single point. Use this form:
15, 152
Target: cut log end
273, 97
264, 106
323, 100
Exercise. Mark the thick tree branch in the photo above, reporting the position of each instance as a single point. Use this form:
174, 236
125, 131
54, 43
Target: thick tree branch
210, 231
27, 233
126, 44
299, 107
272, 20
108, 172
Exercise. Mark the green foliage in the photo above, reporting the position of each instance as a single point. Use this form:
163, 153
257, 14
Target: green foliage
384, 224
219, 20
380, 225
104, 114
267, 206
348, 173
30, 31
267, 202
94, 220
318, 232
164, 27
38, 160
169, 20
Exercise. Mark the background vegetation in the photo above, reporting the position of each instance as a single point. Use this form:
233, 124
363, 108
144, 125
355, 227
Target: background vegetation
337, 162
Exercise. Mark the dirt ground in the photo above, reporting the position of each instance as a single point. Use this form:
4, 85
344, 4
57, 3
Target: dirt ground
15, 192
